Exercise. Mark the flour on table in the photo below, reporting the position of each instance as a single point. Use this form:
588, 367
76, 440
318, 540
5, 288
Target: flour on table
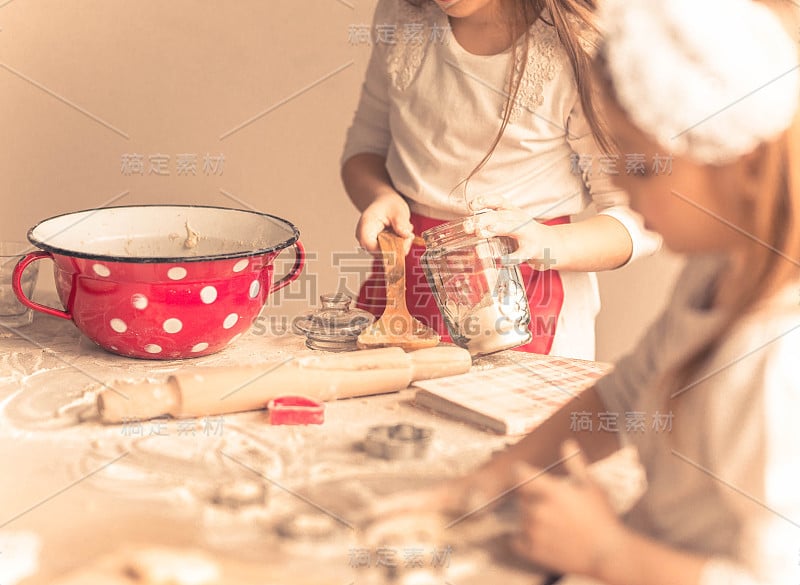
19, 556
164, 566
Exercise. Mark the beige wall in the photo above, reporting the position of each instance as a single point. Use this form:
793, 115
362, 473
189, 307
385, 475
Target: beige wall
631, 298
86, 82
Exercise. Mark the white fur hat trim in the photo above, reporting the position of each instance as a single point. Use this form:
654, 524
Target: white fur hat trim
708, 79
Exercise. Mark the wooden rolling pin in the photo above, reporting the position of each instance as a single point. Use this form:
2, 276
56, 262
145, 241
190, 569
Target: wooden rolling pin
214, 391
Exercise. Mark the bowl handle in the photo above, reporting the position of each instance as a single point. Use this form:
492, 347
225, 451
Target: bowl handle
299, 262
16, 284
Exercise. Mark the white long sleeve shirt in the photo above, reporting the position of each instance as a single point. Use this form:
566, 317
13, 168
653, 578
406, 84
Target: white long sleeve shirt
724, 481
432, 109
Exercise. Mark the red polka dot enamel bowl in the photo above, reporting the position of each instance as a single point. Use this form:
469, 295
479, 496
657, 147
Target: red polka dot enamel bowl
162, 281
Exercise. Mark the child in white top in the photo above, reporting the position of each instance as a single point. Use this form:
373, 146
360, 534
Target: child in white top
723, 501
432, 103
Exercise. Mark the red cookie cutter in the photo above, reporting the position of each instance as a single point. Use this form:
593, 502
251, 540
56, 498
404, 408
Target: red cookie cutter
295, 410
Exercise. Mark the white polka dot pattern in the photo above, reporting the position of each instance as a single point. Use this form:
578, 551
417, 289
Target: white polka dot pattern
176, 309
139, 301
208, 294
101, 270
176, 273
172, 325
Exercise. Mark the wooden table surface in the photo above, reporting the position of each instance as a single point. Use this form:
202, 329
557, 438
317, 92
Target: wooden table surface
94, 494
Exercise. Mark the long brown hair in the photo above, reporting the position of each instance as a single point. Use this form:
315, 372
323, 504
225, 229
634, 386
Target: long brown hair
574, 24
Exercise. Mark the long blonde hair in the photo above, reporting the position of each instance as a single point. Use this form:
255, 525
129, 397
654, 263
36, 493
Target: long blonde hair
575, 27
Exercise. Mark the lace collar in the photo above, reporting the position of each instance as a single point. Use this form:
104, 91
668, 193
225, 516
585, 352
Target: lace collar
405, 56
407, 53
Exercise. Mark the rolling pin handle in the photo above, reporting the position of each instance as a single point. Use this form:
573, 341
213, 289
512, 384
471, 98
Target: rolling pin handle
439, 361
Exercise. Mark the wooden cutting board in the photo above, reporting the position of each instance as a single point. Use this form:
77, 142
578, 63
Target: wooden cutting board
511, 399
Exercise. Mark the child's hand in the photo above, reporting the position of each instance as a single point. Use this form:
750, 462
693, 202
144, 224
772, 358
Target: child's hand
568, 524
388, 210
530, 241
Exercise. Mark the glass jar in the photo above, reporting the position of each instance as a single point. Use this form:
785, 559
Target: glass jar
334, 327
483, 302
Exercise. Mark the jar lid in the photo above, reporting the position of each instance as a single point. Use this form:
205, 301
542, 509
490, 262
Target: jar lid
334, 327
456, 229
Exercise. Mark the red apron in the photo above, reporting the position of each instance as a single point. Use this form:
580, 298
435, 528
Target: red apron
544, 289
